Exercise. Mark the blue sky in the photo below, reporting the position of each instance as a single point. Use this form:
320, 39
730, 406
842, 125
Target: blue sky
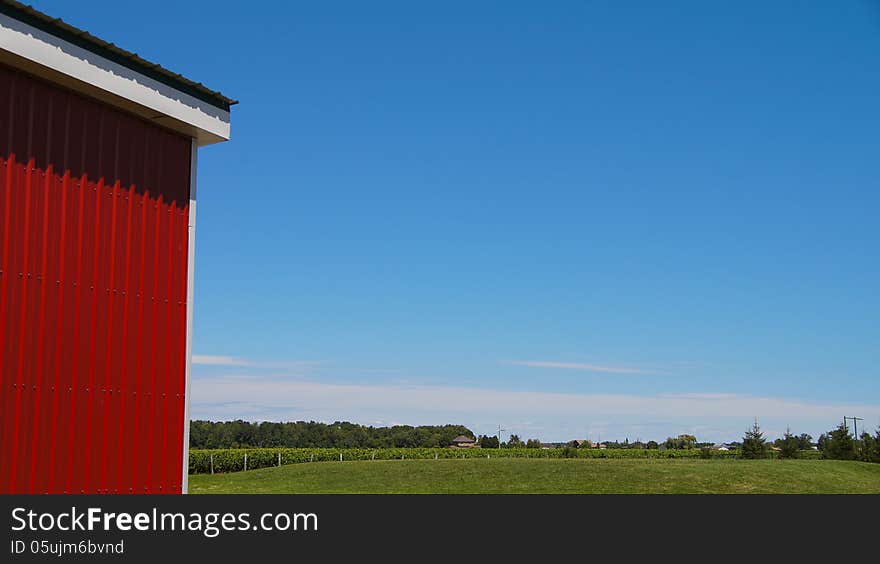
570, 219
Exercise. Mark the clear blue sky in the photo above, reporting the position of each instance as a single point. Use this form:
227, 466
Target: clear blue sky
570, 219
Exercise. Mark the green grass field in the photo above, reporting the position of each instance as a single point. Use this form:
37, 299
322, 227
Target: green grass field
551, 476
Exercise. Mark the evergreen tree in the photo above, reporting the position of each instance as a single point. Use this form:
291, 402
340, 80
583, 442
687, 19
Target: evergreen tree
868, 448
789, 445
754, 445
805, 442
839, 444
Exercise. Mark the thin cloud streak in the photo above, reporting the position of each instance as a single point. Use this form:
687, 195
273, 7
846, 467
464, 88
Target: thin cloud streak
285, 400
215, 360
219, 360
705, 396
580, 366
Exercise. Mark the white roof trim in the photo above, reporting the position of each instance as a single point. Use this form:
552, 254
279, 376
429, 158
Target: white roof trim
209, 124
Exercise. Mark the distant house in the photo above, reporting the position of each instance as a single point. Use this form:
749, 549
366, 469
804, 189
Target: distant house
583, 443
552, 445
720, 446
462, 441
603, 445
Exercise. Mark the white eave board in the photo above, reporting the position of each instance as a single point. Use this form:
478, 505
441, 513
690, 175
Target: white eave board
53, 58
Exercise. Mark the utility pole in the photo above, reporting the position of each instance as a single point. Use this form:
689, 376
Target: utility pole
855, 421
499, 435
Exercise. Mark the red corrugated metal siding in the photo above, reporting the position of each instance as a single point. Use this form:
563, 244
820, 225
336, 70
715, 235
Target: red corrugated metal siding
94, 208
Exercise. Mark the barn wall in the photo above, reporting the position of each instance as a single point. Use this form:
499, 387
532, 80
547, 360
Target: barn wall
94, 207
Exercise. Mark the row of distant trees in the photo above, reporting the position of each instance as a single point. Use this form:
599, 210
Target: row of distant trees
837, 444
680, 442
841, 445
310, 434
491, 441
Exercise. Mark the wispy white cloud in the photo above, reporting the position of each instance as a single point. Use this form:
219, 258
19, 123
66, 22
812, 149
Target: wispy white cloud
718, 416
703, 396
214, 360
298, 365
219, 360
581, 366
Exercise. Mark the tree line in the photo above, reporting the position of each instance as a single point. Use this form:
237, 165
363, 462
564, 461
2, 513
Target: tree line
840, 444
310, 434
491, 441
837, 444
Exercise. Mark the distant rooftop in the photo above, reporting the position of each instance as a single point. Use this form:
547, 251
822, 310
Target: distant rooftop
133, 61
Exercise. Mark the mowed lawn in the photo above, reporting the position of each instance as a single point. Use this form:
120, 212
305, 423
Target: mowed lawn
516, 475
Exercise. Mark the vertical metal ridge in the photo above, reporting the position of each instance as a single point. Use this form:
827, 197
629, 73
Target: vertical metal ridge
140, 479
39, 404
170, 468
107, 386
59, 334
6, 389
154, 362
23, 276
125, 374
38, 390
90, 395
73, 386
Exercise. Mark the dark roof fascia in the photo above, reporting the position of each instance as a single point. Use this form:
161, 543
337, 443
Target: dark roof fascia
85, 40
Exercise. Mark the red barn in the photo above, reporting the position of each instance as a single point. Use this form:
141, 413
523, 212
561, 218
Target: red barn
97, 215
